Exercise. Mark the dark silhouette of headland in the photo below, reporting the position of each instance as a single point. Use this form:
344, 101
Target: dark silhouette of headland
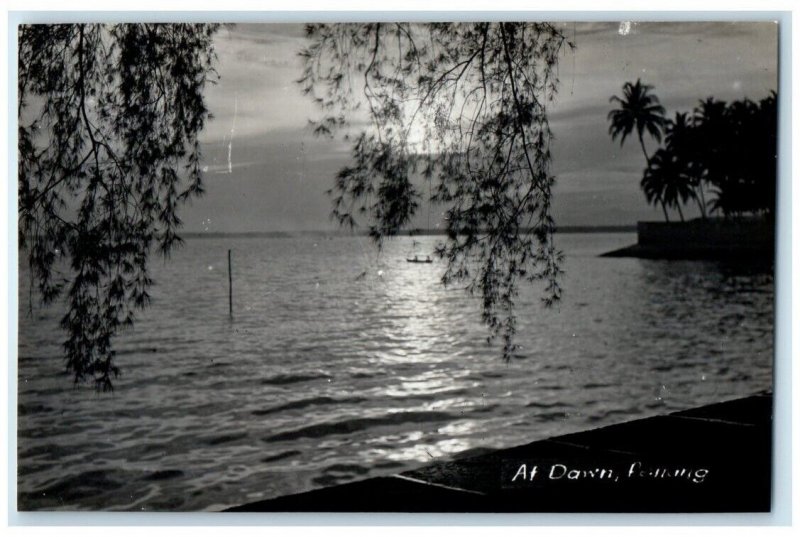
720, 156
703, 239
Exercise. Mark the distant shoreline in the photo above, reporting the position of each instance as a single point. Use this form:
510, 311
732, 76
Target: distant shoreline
364, 233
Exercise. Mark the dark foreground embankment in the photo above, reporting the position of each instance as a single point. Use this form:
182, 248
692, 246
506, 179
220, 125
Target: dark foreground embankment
715, 458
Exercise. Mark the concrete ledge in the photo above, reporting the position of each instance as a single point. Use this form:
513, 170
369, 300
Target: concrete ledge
715, 458
698, 233
713, 239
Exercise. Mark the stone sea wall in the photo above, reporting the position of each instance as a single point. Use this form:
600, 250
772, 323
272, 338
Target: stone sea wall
703, 239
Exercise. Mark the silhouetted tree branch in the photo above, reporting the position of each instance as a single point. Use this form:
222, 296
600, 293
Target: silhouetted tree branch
109, 117
465, 107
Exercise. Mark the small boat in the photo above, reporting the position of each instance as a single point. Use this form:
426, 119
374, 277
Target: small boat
418, 260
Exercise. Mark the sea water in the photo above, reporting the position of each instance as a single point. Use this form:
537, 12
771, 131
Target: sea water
342, 363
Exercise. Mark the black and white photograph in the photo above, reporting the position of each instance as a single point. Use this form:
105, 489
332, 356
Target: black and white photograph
502, 266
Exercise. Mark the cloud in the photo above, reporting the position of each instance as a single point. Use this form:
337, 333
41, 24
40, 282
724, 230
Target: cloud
258, 66
281, 171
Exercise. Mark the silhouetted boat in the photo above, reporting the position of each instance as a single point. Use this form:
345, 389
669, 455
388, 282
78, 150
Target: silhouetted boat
417, 260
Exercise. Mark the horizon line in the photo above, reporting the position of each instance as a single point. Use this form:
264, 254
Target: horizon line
622, 228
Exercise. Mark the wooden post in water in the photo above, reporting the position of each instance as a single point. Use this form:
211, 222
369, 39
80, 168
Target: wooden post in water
230, 287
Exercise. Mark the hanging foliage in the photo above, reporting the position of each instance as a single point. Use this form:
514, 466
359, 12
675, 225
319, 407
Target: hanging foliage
109, 117
463, 106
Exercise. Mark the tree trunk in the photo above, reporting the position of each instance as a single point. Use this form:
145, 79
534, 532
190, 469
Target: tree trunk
664, 208
702, 200
680, 212
646, 157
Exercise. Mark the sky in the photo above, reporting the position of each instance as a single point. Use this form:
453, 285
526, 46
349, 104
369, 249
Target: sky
267, 172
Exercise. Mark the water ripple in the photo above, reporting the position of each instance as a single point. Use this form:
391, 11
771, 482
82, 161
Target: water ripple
345, 377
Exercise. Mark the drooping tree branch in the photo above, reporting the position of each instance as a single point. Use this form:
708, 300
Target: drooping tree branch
463, 106
109, 118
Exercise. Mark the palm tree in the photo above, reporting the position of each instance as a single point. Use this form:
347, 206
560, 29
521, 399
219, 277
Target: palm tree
665, 181
653, 186
713, 137
639, 109
681, 140
710, 113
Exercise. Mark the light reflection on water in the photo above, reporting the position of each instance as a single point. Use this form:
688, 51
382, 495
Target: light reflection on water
324, 377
